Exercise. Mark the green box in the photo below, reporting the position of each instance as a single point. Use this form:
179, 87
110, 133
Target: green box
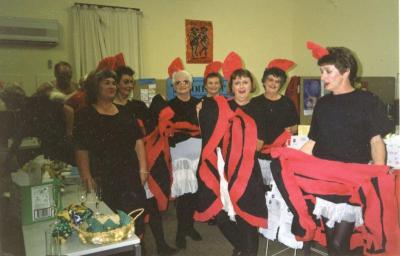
39, 203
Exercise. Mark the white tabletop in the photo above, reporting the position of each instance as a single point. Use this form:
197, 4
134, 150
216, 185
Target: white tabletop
34, 237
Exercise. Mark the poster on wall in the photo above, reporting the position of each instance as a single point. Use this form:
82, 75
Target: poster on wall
199, 41
148, 90
312, 92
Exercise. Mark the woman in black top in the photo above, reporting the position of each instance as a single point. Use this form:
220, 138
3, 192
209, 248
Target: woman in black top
139, 110
348, 126
278, 111
242, 234
184, 184
110, 149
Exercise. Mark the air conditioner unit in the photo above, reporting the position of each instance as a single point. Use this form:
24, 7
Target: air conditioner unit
28, 30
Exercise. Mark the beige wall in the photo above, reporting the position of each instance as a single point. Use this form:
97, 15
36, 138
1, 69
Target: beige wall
259, 30
370, 28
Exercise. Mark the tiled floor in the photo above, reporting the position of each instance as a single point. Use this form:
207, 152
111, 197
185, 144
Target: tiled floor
213, 243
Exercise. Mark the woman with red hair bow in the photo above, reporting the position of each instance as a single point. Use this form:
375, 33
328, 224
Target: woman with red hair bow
347, 126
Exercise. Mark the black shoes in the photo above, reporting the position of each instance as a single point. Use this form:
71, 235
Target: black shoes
194, 235
180, 241
166, 250
181, 238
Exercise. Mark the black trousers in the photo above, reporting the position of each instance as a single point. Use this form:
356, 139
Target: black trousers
242, 236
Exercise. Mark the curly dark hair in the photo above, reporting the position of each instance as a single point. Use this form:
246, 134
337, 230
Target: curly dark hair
92, 84
276, 72
123, 70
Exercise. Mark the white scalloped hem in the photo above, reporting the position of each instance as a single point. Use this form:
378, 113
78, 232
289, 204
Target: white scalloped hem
338, 212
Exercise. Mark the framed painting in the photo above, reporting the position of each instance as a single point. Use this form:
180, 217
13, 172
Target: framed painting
199, 41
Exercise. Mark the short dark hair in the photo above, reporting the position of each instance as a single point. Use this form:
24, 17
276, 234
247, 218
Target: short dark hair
276, 72
92, 85
123, 70
242, 73
13, 96
212, 75
59, 64
343, 59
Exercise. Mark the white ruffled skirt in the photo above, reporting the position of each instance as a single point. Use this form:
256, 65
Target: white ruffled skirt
337, 212
185, 158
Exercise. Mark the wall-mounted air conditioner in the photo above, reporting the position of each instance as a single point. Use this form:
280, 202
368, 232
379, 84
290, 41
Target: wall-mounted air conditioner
28, 30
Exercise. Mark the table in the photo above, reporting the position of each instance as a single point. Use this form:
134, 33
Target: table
34, 238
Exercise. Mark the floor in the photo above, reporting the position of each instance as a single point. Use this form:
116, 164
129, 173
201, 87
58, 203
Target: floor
213, 243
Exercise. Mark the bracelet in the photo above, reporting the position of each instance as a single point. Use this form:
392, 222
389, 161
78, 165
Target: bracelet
144, 172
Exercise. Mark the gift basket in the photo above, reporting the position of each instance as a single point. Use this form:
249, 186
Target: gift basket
101, 229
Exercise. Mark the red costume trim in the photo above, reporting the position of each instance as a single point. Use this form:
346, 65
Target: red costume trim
303, 176
281, 141
157, 145
237, 133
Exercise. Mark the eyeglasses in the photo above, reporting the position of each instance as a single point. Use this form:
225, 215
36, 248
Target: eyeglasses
184, 82
128, 81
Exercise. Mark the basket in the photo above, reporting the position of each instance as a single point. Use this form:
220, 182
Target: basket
110, 236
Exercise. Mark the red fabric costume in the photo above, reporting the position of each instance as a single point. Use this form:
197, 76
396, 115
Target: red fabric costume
301, 177
236, 133
157, 149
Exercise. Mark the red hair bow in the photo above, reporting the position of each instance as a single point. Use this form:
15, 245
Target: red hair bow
231, 63
112, 62
283, 64
213, 67
176, 65
317, 50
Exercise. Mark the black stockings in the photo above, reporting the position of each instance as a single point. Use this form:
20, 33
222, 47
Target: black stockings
337, 238
242, 236
185, 207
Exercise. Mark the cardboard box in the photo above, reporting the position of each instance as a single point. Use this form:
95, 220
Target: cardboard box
40, 202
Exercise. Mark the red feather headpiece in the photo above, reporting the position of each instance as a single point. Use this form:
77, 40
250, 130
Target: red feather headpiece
213, 67
231, 63
317, 50
112, 62
176, 65
283, 64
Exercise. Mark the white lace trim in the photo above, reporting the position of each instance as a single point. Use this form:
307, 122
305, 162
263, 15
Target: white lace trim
338, 212
279, 220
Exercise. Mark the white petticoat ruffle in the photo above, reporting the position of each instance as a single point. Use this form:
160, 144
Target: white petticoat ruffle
227, 205
266, 173
337, 212
185, 158
147, 190
279, 220
184, 177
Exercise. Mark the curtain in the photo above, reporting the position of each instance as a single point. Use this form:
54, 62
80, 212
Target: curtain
102, 32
